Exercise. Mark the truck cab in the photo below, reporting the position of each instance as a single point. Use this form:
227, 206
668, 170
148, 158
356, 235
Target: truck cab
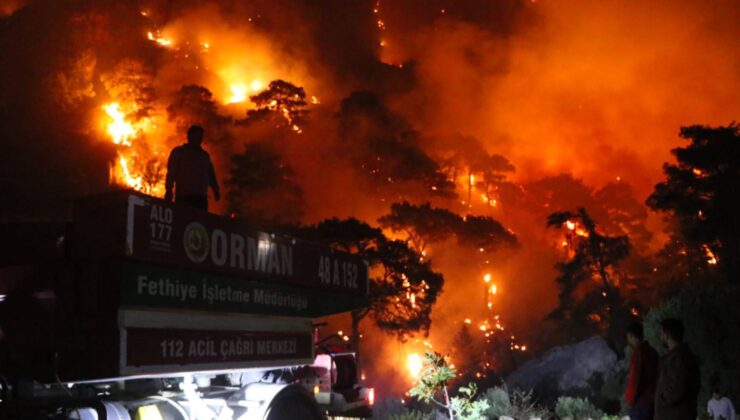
139, 308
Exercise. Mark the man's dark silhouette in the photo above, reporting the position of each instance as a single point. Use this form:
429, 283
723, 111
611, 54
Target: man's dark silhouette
190, 172
643, 375
678, 380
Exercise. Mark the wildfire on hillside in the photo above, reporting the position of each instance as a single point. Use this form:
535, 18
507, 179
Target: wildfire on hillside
407, 107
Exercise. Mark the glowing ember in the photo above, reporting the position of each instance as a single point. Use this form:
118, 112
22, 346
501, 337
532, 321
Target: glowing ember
487, 278
712, 258
414, 364
570, 225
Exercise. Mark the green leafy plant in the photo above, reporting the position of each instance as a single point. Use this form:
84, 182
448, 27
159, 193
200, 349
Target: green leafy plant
517, 404
570, 408
411, 415
432, 387
465, 407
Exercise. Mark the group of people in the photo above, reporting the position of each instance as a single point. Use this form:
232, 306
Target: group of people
667, 388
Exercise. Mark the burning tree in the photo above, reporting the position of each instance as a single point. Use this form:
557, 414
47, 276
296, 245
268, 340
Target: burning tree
282, 99
593, 261
131, 82
263, 188
701, 193
465, 156
492, 170
403, 288
623, 214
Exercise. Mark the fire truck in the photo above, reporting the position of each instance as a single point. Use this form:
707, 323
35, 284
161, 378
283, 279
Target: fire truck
141, 309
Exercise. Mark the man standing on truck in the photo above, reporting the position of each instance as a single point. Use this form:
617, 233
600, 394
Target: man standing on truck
190, 171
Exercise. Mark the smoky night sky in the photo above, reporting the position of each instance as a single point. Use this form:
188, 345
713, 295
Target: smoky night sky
581, 99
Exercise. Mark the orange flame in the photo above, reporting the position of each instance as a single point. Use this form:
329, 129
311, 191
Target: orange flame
414, 365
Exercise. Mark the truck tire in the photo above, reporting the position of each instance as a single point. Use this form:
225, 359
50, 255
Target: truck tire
292, 404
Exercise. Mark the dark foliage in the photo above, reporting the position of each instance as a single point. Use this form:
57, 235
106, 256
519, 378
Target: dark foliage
702, 193
262, 188
423, 224
386, 148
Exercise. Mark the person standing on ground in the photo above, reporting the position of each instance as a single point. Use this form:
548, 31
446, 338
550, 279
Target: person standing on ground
720, 407
643, 375
678, 378
190, 171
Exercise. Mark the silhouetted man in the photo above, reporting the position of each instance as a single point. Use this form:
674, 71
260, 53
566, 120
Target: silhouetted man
190, 171
640, 392
678, 380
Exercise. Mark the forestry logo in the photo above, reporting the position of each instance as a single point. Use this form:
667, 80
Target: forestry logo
196, 242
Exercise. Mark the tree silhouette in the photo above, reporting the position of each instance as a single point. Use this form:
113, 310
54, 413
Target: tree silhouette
262, 188
583, 304
194, 104
422, 224
621, 214
701, 192
386, 149
403, 288
484, 234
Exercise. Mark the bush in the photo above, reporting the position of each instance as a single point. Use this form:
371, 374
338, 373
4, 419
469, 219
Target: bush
411, 415
709, 313
466, 407
393, 409
569, 408
518, 404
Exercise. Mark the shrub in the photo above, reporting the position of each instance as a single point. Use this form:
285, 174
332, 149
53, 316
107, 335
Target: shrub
569, 408
518, 404
393, 409
411, 415
465, 407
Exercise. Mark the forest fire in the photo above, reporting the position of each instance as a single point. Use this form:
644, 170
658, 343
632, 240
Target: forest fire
469, 154
120, 130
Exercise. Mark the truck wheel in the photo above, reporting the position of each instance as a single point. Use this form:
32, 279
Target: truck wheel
292, 406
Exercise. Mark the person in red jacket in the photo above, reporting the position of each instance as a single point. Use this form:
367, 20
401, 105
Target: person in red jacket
643, 376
